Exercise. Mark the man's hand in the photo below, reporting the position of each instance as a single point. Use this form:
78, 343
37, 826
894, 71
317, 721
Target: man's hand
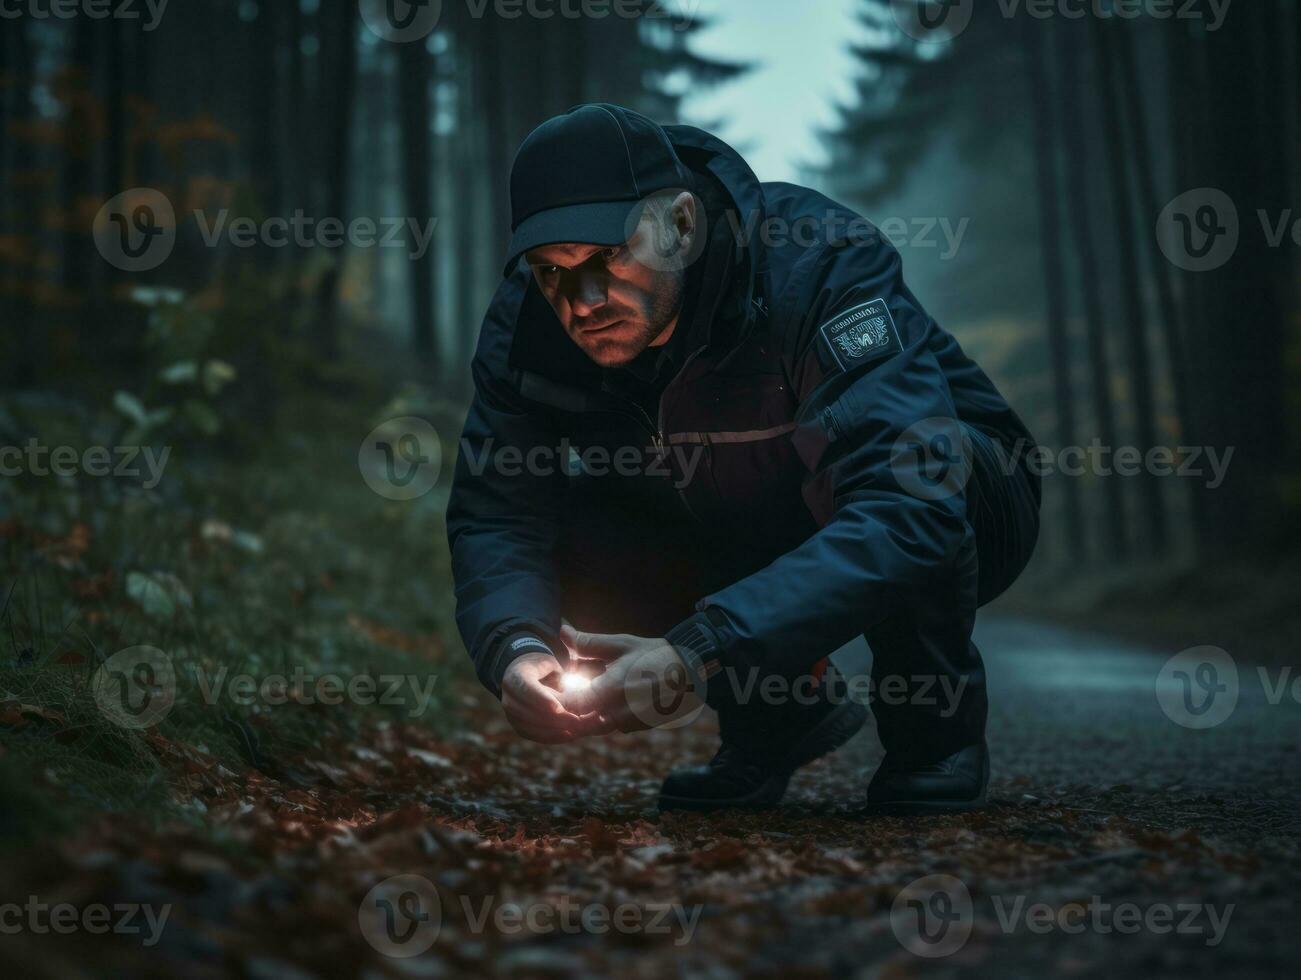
645, 684
533, 706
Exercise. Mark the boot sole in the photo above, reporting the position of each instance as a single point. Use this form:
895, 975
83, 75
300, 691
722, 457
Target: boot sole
912, 808
828, 735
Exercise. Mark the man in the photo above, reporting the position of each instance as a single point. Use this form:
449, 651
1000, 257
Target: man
766, 447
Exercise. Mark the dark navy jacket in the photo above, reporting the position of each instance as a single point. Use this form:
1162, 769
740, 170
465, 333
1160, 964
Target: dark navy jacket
813, 359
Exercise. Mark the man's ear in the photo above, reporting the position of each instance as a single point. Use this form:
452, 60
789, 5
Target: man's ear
685, 220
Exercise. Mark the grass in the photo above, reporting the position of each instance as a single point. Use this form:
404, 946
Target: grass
268, 557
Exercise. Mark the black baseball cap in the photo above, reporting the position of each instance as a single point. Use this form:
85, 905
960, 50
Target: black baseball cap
582, 176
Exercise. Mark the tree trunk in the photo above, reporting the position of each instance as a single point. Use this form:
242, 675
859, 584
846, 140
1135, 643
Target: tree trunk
1122, 206
1116, 534
1162, 271
468, 212
342, 27
413, 102
1244, 343
16, 293
1037, 40
78, 156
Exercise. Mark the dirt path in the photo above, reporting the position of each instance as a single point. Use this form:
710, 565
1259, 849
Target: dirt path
1106, 814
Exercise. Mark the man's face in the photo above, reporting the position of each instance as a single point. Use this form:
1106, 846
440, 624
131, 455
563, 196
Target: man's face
610, 300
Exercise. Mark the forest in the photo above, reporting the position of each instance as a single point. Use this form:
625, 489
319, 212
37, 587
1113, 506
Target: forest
238, 236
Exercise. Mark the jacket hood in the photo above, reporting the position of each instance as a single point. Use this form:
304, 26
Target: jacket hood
704, 153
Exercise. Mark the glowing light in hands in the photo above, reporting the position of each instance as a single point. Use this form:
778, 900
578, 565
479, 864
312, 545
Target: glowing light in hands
573, 681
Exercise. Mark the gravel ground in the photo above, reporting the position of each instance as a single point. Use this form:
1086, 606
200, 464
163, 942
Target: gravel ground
1119, 842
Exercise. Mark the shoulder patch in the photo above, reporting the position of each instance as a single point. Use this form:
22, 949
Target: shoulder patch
861, 333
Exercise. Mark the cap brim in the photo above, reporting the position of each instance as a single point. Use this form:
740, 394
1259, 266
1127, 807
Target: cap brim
602, 223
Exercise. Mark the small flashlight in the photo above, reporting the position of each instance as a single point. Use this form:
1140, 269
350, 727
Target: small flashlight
574, 681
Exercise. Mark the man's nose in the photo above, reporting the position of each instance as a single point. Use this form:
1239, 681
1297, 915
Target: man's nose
588, 293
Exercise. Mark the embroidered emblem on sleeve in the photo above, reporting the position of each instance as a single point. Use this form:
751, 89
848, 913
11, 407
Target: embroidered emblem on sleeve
862, 333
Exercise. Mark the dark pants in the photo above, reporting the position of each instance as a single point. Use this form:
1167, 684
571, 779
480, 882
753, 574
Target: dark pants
629, 566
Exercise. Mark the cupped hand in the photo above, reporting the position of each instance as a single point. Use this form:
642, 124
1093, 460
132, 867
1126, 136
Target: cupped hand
533, 705
645, 684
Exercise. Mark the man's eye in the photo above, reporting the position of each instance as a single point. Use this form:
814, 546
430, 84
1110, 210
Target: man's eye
612, 253
547, 271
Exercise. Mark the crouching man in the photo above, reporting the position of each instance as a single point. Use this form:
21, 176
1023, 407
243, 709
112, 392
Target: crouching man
715, 437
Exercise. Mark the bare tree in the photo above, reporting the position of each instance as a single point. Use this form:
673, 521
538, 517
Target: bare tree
1037, 39
1080, 181
1124, 230
414, 110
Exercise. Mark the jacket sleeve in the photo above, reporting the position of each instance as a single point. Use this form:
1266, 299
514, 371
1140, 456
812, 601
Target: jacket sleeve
877, 430
501, 519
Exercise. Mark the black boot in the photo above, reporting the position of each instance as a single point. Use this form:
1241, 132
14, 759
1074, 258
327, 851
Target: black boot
952, 785
762, 747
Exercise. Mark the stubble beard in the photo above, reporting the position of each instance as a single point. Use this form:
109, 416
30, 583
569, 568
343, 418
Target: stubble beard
666, 303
